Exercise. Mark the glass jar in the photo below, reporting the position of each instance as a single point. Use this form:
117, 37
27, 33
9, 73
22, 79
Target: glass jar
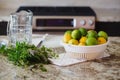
19, 27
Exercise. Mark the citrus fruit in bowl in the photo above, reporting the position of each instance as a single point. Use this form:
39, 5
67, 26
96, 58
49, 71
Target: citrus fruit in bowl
86, 52
90, 45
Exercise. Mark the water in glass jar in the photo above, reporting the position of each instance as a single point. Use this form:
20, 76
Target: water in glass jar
20, 27
20, 34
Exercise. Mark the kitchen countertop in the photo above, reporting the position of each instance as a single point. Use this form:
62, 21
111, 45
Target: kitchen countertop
101, 69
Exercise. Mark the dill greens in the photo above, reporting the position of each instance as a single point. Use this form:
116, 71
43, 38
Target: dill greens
23, 54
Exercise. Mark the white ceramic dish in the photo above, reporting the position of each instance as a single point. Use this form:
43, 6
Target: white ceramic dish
86, 52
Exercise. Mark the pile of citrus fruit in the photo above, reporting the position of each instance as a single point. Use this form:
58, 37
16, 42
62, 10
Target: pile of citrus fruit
83, 37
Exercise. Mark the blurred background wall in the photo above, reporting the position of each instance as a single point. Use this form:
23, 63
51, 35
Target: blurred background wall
114, 4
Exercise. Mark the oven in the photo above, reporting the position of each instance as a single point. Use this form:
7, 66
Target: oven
61, 17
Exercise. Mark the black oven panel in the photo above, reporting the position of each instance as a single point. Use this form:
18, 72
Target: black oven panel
54, 22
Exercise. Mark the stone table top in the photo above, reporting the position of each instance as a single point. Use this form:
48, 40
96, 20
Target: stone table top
100, 69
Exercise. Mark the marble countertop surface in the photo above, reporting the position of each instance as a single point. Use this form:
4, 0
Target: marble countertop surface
101, 69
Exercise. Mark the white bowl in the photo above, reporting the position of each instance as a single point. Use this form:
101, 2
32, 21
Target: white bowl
86, 52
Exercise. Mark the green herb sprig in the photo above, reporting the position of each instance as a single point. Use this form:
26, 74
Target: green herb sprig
23, 54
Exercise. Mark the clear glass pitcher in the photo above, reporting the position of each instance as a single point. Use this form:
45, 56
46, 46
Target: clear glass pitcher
19, 27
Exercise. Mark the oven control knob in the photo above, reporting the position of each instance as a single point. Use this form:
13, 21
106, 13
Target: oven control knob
82, 22
90, 22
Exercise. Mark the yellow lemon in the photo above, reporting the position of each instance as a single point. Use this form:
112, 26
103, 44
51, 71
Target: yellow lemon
73, 41
101, 40
81, 44
66, 37
83, 39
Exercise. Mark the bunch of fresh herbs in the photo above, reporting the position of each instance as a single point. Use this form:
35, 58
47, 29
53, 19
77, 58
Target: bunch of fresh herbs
23, 54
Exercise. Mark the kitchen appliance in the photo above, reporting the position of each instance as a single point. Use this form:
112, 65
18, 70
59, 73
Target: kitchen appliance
61, 17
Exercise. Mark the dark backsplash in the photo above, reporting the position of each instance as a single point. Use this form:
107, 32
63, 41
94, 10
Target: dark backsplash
112, 28
3, 28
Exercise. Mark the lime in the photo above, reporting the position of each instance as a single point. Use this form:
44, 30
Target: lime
103, 34
68, 32
73, 41
91, 41
83, 31
92, 33
76, 34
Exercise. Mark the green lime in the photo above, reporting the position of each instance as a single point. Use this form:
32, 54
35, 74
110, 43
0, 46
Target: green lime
76, 34
83, 31
68, 32
92, 33
91, 41
103, 34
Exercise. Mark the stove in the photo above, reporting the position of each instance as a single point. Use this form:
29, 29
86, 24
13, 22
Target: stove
61, 17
